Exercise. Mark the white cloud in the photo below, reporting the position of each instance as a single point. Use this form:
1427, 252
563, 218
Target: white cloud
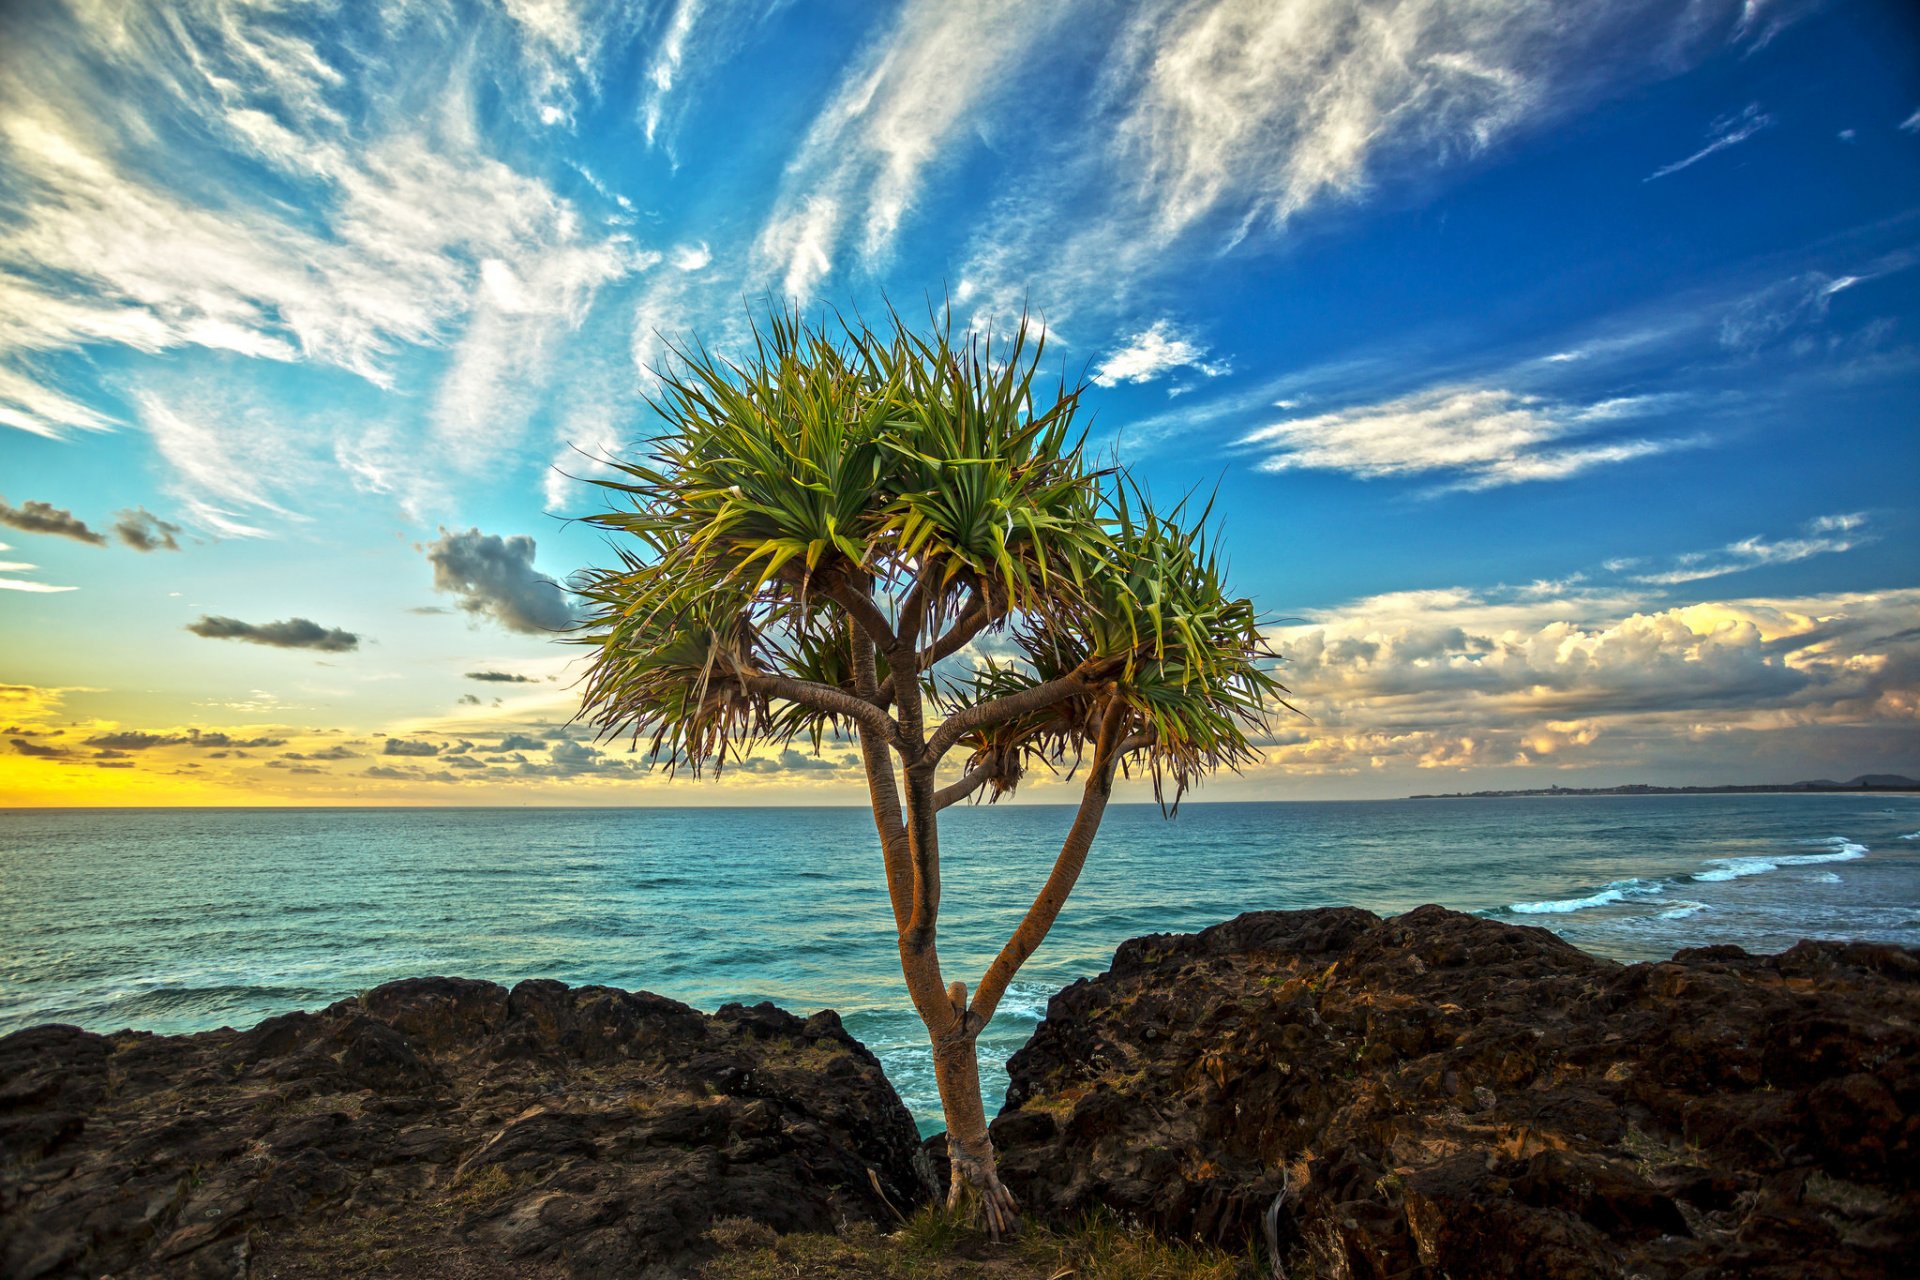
225, 461
1726, 131
41, 588
1826, 535
589, 437
501, 361
904, 99
407, 234
1484, 436
1154, 352
666, 65
1912, 123
691, 257
1455, 678
1214, 120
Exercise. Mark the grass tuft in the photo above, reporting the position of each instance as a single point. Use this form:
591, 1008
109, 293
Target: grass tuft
934, 1246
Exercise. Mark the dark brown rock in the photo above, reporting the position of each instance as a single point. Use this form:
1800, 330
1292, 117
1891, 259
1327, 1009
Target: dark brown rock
1452, 1096
440, 1127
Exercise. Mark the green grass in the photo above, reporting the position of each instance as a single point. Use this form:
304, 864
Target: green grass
932, 1246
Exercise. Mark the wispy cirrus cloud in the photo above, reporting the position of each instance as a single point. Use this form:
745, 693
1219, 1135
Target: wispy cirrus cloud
1213, 121
326, 224
1824, 535
906, 97
1726, 131
1476, 437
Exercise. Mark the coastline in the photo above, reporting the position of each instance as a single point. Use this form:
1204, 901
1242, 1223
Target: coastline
1443, 1090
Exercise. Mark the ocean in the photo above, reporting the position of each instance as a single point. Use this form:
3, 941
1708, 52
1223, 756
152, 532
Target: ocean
182, 920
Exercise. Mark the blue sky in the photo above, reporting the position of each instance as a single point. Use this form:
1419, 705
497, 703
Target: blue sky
1556, 364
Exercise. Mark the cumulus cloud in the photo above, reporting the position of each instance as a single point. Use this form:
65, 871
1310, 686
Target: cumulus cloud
1154, 352
293, 633
500, 677
40, 750
43, 517
521, 742
493, 577
1453, 678
409, 747
141, 740
1482, 436
1726, 131
327, 753
791, 760
140, 529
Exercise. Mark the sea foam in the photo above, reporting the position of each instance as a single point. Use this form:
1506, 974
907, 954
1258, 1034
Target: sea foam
1618, 891
1843, 850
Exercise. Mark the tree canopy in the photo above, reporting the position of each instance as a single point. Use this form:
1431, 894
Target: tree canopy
840, 486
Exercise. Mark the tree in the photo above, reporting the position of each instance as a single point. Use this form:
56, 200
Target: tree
819, 533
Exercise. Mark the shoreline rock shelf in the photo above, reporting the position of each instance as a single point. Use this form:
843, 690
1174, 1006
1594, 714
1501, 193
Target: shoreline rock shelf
1437, 1094
1441, 1094
440, 1127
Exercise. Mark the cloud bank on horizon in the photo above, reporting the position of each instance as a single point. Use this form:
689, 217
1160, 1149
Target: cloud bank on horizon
1441, 297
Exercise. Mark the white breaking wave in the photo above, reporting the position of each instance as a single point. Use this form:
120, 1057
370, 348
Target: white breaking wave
1844, 850
1618, 891
1683, 910
1911, 835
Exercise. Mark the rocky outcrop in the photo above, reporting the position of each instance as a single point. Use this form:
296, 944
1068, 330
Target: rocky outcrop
440, 1127
1450, 1096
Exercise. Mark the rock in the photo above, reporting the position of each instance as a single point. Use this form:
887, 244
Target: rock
440, 1126
1446, 1095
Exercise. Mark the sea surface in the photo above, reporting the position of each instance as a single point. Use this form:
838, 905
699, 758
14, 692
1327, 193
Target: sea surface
182, 920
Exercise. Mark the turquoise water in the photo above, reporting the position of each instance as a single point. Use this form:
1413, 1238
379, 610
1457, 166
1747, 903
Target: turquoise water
176, 920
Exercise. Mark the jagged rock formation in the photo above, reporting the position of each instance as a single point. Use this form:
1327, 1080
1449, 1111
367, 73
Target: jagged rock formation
1451, 1096
440, 1127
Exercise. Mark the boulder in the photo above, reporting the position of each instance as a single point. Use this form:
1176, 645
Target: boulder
1438, 1094
441, 1127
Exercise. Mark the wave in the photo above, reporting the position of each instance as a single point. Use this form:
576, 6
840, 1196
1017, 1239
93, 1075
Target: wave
1715, 870
1618, 891
1843, 850
1911, 835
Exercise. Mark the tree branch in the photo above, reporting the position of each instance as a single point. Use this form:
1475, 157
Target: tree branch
1026, 939
971, 622
864, 612
882, 788
955, 792
824, 697
984, 715
907, 624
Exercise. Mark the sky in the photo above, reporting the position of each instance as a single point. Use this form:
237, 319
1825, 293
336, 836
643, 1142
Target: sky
1556, 365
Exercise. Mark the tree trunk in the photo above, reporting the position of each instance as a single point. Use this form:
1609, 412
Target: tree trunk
972, 1177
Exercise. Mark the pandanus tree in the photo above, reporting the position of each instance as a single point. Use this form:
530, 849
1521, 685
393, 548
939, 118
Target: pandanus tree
812, 546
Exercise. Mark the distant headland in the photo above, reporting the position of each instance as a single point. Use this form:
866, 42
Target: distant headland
1865, 782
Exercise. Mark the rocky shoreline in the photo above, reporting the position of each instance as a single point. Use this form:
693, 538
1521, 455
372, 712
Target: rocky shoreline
1434, 1094
1446, 1095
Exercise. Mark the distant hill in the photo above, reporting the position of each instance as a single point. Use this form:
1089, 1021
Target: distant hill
1865, 782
